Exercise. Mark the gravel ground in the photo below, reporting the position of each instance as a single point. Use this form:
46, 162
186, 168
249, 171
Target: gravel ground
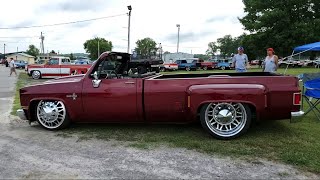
30, 152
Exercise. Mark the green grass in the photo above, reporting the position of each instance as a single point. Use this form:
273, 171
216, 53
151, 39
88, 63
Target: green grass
23, 80
296, 143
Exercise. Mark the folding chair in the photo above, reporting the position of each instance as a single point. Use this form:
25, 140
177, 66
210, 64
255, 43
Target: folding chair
311, 92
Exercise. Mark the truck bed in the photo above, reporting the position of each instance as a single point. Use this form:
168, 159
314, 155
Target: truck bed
171, 97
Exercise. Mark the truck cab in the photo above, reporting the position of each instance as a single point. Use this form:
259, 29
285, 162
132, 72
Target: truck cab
187, 65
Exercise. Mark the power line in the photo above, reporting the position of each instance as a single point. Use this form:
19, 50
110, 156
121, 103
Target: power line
21, 37
59, 24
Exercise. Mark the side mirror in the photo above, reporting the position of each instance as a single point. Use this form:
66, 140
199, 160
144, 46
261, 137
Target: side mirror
95, 82
95, 75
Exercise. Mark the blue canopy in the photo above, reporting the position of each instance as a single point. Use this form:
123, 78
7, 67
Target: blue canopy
308, 47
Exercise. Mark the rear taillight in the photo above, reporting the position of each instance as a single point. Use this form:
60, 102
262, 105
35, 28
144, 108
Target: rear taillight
297, 99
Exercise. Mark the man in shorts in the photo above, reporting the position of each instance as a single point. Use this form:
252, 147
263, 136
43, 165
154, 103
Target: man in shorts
240, 61
12, 67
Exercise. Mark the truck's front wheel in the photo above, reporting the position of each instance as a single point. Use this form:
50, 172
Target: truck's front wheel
225, 120
52, 115
36, 74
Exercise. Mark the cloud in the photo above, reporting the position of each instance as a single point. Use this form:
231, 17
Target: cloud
217, 18
73, 6
188, 36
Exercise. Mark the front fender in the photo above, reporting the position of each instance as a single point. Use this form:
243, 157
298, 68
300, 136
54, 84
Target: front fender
254, 94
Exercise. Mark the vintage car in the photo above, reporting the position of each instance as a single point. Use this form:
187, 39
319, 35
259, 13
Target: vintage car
57, 66
226, 104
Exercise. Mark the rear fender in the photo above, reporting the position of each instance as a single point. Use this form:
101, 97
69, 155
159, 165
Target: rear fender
253, 94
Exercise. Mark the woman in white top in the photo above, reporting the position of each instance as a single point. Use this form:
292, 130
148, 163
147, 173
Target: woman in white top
271, 61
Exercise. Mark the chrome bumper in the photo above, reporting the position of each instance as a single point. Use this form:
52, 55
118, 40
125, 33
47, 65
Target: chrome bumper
297, 114
21, 114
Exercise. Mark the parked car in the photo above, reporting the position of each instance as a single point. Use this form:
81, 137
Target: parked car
205, 65
290, 63
254, 62
20, 64
222, 63
226, 104
57, 66
82, 61
169, 66
187, 65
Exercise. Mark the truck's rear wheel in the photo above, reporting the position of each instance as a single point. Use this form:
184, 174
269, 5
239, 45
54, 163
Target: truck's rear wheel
36, 74
52, 115
225, 120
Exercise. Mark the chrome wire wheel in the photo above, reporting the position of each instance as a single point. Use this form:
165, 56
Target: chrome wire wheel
225, 119
51, 114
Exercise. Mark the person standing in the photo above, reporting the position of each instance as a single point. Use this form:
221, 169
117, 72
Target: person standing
6, 62
12, 67
240, 61
271, 61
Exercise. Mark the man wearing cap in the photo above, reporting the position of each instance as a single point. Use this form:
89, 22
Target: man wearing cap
271, 61
240, 61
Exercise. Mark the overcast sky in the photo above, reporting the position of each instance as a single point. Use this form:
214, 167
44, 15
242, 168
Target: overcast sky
201, 21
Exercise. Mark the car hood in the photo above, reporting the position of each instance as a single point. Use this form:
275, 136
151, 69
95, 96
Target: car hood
66, 79
69, 80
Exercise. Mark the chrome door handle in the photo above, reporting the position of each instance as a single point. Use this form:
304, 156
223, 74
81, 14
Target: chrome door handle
130, 82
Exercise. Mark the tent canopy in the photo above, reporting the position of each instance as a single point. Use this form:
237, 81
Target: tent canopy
308, 47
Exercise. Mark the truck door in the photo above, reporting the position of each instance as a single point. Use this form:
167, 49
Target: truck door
64, 67
114, 99
51, 69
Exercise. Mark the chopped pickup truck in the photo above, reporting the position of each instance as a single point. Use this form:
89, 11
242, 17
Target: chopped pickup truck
56, 67
225, 103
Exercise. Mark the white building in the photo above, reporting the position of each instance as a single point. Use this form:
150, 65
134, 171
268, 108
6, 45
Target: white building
22, 57
176, 56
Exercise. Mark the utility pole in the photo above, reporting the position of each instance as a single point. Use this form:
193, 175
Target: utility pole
98, 48
42, 46
4, 51
129, 14
178, 26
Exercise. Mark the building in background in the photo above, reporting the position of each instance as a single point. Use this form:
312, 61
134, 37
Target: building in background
20, 56
167, 57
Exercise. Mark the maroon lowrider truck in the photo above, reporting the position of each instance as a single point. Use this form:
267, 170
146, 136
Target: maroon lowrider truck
225, 103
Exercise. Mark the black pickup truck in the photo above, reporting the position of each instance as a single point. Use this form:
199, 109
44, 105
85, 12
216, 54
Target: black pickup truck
150, 63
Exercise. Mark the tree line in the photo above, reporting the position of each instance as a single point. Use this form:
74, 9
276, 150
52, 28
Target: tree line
282, 25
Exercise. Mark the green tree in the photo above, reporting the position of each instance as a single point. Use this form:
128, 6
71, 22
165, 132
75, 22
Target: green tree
33, 50
53, 52
281, 24
212, 49
146, 47
91, 46
227, 45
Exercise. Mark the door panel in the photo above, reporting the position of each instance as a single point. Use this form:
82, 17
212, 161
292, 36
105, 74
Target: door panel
115, 100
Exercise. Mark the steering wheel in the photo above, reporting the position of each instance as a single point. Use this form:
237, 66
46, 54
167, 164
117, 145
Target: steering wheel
110, 73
